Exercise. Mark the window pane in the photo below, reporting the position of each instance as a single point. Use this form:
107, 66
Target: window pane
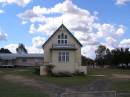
63, 56
62, 35
67, 56
65, 36
58, 36
62, 41
58, 41
65, 41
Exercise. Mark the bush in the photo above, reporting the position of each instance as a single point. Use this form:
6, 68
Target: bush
62, 74
79, 73
49, 69
37, 70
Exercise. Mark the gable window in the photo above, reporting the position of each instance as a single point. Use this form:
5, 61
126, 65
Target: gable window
63, 56
62, 39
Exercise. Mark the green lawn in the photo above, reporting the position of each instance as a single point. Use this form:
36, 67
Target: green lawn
8, 89
116, 84
121, 85
61, 81
108, 72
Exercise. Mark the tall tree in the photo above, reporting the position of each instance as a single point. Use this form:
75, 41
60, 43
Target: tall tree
107, 57
100, 54
21, 49
120, 56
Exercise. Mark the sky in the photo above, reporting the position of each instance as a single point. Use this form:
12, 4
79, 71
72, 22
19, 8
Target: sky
92, 22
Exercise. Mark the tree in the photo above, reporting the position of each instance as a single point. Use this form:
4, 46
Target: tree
107, 57
3, 50
21, 49
121, 56
126, 56
100, 55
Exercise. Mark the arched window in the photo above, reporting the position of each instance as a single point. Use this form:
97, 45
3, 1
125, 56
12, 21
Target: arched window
58, 36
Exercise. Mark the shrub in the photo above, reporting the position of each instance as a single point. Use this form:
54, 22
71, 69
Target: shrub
49, 69
37, 70
79, 73
63, 74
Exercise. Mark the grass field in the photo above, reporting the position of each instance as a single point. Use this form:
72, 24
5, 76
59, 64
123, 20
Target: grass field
9, 89
61, 81
15, 90
118, 84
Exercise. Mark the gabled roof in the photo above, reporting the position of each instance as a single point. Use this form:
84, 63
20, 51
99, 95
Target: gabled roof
62, 25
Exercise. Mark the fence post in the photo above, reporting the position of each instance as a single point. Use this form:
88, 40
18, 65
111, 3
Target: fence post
115, 93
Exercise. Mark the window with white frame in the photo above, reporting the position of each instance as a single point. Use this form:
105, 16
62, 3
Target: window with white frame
62, 39
63, 56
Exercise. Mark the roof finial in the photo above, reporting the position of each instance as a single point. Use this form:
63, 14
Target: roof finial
62, 21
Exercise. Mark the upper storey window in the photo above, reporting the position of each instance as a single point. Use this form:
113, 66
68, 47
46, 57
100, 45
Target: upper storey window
62, 39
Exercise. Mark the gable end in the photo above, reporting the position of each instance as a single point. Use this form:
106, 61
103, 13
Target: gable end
55, 33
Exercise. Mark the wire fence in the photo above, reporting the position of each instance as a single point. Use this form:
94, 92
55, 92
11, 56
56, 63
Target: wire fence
98, 94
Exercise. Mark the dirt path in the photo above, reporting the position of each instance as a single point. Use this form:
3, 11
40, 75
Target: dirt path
121, 76
97, 85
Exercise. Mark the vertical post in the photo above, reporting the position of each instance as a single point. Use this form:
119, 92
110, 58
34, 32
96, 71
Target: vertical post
115, 94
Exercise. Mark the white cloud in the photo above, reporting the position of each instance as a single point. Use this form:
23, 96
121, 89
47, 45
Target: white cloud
38, 41
28, 14
122, 2
111, 42
1, 11
24, 22
3, 36
109, 30
125, 43
81, 22
89, 51
30, 49
32, 28
12, 47
120, 30
39, 11
36, 46
82, 19
17, 2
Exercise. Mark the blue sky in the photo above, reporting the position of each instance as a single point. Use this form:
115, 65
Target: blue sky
93, 22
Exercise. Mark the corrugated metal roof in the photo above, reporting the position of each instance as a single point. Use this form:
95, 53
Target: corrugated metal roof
14, 56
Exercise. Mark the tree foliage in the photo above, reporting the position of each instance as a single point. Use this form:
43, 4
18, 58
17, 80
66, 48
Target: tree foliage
21, 49
3, 50
116, 57
100, 54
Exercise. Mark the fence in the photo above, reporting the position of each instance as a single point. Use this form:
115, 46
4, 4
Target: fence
98, 94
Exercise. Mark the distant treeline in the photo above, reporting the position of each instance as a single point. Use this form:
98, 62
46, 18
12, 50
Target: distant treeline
118, 57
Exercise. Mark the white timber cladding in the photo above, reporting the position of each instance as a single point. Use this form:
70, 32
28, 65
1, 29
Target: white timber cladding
64, 59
